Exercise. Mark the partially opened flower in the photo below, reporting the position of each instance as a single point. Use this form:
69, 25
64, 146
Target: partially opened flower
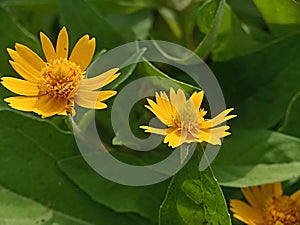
185, 119
51, 88
267, 206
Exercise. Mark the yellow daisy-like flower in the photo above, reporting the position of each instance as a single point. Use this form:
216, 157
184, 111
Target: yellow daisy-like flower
51, 88
268, 206
185, 119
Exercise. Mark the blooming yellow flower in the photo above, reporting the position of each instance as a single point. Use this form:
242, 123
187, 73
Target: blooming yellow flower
185, 119
268, 206
51, 88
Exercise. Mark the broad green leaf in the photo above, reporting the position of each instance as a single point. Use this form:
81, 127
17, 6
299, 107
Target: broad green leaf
30, 150
233, 39
15, 210
149, 69
35, 15
247, 12
81, 18
277, 13
136, 25
291, 124
260, 85
208, 20
256, 156
194, 198
144, 201
12, 32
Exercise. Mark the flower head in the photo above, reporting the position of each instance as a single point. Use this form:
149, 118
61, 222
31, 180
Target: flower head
267, 206
185, 119
51, 88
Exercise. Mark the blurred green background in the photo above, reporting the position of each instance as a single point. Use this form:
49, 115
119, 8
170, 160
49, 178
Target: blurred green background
253, 48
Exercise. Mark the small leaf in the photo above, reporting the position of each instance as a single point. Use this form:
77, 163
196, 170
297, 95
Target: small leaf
194, 197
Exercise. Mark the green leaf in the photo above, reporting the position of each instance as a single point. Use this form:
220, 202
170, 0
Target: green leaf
277, 13
171, 19
136, 24
12, 32
233, 39
30, 151
15, 210
35, 15
194, 197
123, 7
208, 20
149, 69
144, 200
259, 92
291, 123
81, 18
256, 156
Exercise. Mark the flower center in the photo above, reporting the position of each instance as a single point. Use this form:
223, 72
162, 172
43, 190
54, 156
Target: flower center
60, 78
281, 211
188, 118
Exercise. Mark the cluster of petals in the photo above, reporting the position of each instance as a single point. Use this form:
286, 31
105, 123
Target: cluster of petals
52, 87
267, 206
184, 119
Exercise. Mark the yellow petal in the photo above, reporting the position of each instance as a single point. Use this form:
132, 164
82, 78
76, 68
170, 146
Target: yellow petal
278, 189
267, 190
24, 64
47, 106
197, 98
219, 131
166, 107
253, 199
22, 103
153, 130
296, 197
96, 95
177, 99
21, 87
220, 118
175, 137
100, 80
246, 213
256, 190
209, 138
32, 58
86, 103
62, 44
83, 52
163, 114
32, 76
47, 47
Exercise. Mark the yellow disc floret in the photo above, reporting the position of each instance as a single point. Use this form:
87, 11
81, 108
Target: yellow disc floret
60, 78
281, 210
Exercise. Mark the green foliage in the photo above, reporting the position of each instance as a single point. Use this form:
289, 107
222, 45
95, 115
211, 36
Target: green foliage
252, 47
194, 197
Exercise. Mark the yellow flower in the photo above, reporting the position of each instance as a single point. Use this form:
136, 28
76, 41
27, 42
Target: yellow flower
51, 88
185, 119
268, 206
